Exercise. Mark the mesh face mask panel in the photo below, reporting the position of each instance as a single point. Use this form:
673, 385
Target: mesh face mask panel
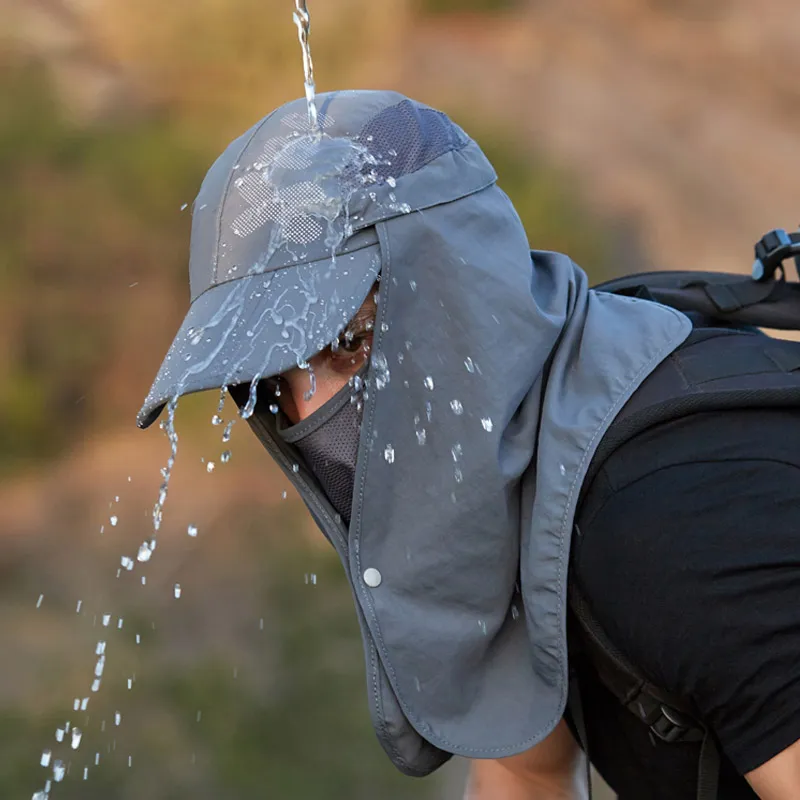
405, 137
331, 451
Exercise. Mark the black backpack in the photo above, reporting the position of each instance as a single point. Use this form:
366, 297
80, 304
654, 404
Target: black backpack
761, 371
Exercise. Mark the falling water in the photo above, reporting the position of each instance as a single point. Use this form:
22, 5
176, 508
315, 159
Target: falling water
303, 21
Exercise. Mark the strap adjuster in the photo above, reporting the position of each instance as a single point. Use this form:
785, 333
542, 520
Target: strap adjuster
672, 726
771, 251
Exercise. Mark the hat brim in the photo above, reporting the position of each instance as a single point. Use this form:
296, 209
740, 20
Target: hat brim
261, 325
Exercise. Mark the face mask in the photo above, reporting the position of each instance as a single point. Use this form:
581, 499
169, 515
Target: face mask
328, 441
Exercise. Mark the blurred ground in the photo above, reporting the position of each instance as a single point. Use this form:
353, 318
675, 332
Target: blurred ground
630, 134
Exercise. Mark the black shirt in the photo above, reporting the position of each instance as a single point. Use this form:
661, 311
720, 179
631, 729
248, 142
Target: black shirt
689, 556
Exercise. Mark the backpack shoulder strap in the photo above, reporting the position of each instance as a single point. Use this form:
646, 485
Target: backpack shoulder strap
761, 299
713, 370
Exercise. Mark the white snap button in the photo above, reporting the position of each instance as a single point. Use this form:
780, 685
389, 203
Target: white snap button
372, 578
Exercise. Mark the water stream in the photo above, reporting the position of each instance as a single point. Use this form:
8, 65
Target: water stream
303, 21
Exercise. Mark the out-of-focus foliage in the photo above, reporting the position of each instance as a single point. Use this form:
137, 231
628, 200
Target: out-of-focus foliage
85, 212
480, 6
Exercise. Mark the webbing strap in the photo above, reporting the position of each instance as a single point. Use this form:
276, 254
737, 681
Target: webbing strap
669, 718
708, 769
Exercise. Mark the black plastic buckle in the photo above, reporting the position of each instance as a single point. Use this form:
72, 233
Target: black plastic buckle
771, 251
672, 726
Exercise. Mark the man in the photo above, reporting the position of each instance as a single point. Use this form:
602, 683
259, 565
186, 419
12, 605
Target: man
437, 395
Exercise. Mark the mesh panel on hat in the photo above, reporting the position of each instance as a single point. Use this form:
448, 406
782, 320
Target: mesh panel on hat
405, 137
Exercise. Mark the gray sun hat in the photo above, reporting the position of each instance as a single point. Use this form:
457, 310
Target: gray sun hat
283, 248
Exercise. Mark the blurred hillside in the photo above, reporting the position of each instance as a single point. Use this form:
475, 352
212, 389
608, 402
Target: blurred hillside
629, 133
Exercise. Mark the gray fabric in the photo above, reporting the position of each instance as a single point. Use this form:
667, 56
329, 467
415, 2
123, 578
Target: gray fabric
493, 376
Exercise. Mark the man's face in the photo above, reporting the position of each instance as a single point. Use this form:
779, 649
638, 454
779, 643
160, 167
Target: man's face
331, 369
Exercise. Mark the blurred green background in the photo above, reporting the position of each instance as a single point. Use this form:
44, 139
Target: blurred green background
621, 143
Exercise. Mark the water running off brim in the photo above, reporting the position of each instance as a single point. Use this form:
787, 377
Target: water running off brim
303, 21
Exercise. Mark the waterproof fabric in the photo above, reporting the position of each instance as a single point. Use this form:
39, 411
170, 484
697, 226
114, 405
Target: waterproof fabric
493, 376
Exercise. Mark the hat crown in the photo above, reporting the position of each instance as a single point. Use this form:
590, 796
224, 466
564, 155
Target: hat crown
287, 192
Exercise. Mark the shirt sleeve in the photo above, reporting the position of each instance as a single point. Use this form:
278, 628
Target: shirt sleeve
693, 570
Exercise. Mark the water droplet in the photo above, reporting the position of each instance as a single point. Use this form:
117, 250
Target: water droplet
106, 620
45, 759
78, 607
192, 530
144, 552
184, 206
482, 626
388, 454
413, 285
458, 409
100, 649
428, 383
459, 476
59, 734
274, 409
59, 770
295, 468
177, 590
384, 327
216, 420
39, 601
76, 738
391, 181
422, 436
127, 562
225, 457
487, 424
210, 466
514, 612
84, 703
114, 521
562, 469
457, 451
117, 718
